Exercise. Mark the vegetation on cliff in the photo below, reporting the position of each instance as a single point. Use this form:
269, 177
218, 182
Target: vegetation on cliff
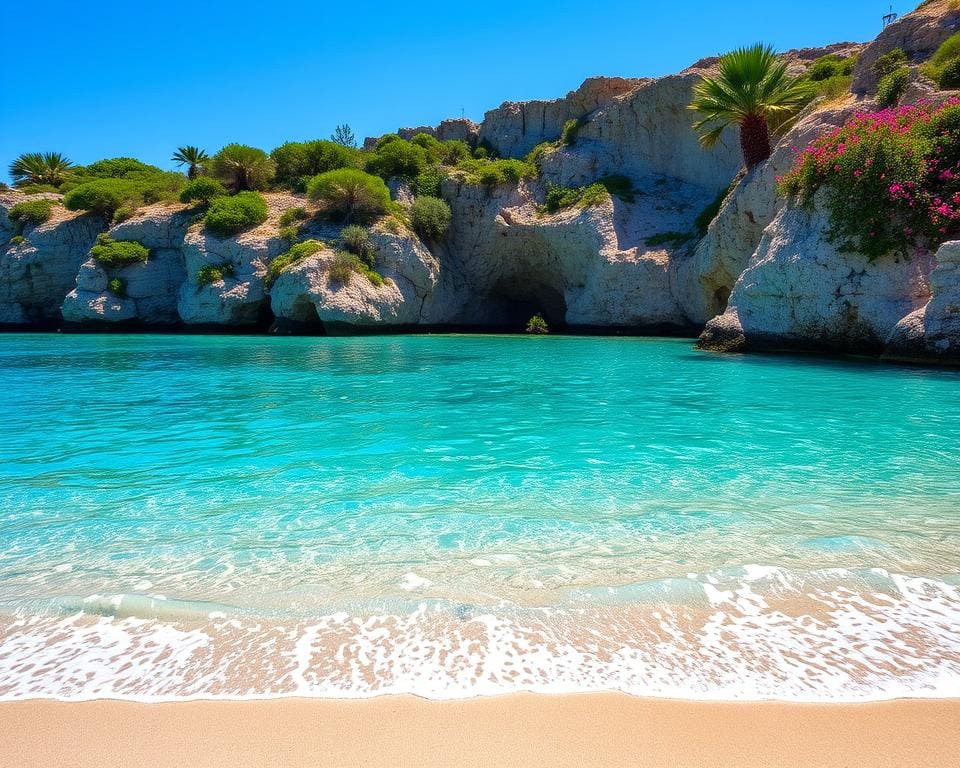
892, 178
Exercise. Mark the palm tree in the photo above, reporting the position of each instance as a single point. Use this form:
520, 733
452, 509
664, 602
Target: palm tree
40, 168
195, 159
752, 90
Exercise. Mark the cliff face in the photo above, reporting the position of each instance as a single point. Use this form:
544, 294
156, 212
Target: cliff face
764, 274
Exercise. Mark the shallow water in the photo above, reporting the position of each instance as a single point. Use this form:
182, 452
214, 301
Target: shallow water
451, 515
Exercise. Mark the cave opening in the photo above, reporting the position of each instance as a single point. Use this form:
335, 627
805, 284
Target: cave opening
514, 301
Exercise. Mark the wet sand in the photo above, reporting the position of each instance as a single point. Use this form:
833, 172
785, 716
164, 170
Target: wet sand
525, 730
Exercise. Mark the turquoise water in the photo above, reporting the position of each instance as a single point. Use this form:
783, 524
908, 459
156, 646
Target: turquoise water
450, 515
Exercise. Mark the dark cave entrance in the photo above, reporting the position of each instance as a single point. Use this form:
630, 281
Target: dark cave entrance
514, 301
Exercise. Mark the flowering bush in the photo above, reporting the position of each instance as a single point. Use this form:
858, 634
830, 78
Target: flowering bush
892, 178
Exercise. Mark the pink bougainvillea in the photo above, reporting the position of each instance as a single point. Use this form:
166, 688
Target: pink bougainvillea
892, 178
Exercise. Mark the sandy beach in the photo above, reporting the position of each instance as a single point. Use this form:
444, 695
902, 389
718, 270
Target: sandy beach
517, 730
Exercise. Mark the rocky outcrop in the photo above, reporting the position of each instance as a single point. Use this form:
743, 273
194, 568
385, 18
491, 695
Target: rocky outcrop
918, 34
37, 272
306, 295
932, 332
150, 289
801, 291
646, 132
514, 128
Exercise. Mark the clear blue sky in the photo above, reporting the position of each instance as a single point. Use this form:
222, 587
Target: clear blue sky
104, 79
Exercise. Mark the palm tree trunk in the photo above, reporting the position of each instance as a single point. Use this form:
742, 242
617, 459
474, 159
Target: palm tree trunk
754, 140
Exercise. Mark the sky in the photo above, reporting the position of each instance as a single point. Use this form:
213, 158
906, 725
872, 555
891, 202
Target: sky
109, 79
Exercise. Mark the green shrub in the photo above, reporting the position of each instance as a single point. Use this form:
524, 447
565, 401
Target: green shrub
397, 158
888, 63
619, 186
17, 240
297, 161
293, 214
242, 168
36, 189
290, 234
892, 86
428, 181
559, 197
123, 213
357, 241
949, 79
946, 54
118, 287
347, 194
494, 172
202, 189
890, 179
229, 215
537, 325
571, 128
430, 218
118, 253
384, 140
535, 156
297, 253
448, 152
830, 66
118, 168
31, 212
343, 266
104, 196
214, 273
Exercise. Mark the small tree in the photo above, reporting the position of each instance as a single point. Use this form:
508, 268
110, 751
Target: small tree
430, 217
194, 158
343, 135
242, 168
348, 193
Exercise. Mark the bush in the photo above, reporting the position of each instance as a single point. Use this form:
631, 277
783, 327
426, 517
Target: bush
892, 86
571, 128
537, 325
891, 179
430, 218
36, 189
357, 241
31, 212
709, 213
290, 234
349, 194
298, 160
342, 267
123, 213
619, 186
494, 172
242, 168
293, 214
535, 156
830, 66
559, 197
104, 196
667, 238
118, 287
889, 63
397, 158
117, 168
950, 76
428, 182
214, 273
297, 253
17, 240
202, 189
229, 215
944, 56
448, 152
118, 253
384, 140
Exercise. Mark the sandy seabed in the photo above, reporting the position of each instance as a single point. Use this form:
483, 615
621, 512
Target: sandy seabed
525, 730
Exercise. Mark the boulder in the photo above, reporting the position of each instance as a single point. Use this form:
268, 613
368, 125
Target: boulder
932, 332
801, 291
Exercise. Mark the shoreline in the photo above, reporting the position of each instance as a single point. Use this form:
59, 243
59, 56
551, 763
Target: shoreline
522, 729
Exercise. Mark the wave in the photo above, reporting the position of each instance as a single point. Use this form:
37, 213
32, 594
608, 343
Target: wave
753, 633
